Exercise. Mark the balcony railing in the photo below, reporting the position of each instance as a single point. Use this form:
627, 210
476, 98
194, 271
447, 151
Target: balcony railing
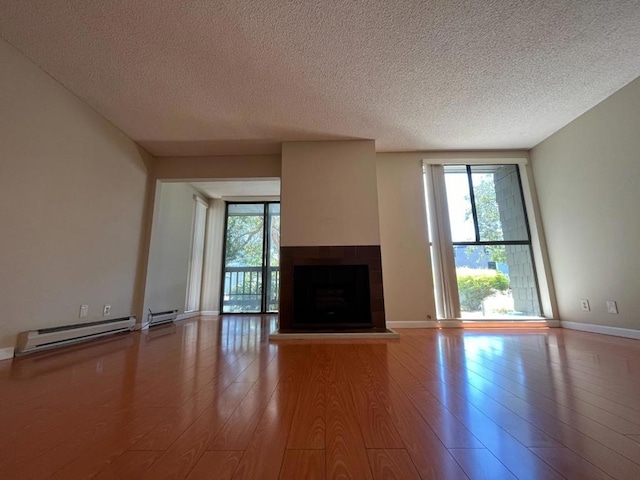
243, 289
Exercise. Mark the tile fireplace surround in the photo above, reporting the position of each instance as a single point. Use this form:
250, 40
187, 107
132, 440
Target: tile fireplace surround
291, 257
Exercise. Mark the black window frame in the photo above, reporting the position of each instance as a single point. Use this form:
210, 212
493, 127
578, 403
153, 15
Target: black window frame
476, 227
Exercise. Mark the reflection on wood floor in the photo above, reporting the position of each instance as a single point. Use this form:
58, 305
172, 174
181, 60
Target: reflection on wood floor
213, 398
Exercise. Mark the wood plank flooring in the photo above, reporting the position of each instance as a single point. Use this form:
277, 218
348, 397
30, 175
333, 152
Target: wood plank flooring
212, 398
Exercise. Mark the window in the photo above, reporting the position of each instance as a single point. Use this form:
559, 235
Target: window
482, 248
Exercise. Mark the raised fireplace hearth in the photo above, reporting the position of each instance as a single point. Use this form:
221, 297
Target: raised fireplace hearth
331, 288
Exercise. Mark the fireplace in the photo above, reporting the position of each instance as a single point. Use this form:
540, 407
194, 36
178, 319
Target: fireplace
331, 297
331, 288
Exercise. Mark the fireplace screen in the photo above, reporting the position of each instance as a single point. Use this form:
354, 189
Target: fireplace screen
331, 296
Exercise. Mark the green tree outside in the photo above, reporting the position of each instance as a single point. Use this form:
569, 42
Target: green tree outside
244, 241
489, 222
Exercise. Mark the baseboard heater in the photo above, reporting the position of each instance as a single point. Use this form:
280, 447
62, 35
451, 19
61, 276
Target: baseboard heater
160, 318
47, 338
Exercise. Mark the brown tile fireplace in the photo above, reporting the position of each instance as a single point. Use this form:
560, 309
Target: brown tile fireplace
331, 289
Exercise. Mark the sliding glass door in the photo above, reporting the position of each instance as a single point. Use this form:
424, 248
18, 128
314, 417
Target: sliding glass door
251, 272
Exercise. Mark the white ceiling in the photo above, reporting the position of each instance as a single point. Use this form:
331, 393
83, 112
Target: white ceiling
222, 77
238, 188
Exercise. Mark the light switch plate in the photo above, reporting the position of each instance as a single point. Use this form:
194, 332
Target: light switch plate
612, 307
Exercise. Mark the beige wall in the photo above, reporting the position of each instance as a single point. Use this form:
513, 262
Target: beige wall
406, 262
212, 168
72, 191
588, 182
329, 193
170, 248
406, 259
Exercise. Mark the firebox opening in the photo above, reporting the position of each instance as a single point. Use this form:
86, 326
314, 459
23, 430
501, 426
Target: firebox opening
331, 296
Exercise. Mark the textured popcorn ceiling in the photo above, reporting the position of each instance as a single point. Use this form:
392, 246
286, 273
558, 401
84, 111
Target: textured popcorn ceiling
213, 77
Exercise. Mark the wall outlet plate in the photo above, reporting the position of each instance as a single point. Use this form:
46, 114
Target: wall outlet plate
106, 311
584, 305
84, 311
612, 307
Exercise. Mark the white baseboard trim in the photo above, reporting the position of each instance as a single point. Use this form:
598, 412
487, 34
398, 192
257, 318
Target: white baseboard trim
474, 324
210, 312
184, 316
603, 329
6, 353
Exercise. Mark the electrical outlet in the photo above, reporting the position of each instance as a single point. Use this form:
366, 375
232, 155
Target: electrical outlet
612, 307
84, 311
106, 311
584, 305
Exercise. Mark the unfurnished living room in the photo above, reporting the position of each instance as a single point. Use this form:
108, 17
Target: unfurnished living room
319, 240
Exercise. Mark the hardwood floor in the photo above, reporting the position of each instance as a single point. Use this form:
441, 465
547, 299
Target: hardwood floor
213, 398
